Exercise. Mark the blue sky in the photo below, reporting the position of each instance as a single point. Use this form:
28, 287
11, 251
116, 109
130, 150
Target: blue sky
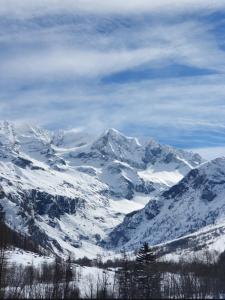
147, 69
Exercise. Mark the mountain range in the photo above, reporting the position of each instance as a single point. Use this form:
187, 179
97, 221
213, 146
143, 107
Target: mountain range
70, 192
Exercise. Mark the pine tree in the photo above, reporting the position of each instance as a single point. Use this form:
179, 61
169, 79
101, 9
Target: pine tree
145, 255
3, 256
147, 275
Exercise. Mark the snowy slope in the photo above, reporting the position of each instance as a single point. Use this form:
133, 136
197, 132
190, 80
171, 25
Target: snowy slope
25, 258
196, 202
57, 209
209, 239
68, 192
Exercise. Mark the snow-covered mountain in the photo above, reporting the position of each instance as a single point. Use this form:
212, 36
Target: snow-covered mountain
68, 191
195, 205
128, 167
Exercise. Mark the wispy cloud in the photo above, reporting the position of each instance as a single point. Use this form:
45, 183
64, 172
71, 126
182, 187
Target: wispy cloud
68, 63
34, 7
67, 53
210, 152
180, 104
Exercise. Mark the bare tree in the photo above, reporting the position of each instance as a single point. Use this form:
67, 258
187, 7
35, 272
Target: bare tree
3, 255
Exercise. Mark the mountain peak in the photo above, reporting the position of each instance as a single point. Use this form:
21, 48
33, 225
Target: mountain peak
115, 145
113, 134
112, 131
113, 139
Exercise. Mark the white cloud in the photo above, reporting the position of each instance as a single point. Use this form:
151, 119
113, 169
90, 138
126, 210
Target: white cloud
183, 103
65, 52
210, 152
51, 69
67, 62
28, 8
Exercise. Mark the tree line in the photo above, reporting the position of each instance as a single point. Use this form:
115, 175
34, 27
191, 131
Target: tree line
143, 276
12, 239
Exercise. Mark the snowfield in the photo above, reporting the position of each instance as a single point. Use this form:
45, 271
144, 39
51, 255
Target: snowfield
85, 276
26, 258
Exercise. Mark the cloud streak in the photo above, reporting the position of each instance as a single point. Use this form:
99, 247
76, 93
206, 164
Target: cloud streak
28, 8
90, 54
56, 57
67, 62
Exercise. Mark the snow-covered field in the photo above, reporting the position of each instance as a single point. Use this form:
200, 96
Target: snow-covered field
87, 278
26, 258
